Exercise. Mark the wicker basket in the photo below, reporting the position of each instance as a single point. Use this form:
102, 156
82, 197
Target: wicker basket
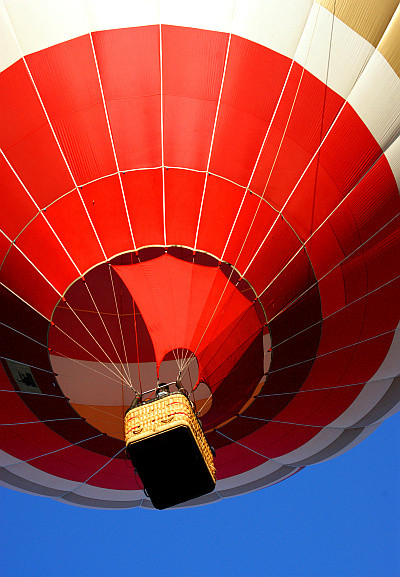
167, 446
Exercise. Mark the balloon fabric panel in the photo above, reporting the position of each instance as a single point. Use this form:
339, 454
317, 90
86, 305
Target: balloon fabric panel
251, 172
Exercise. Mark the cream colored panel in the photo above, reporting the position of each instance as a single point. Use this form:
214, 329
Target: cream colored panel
42, 23
93, 383
278, 25
9, 52
368, 18
267, 352
106, 15
208, 14
376, 99
332, 52
87, 382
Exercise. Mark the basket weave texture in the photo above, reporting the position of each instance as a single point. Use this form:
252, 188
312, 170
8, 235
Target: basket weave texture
172, 411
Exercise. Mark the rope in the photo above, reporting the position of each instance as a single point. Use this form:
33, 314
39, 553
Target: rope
119, 321
43, 421
296, 299
97, 343
52, 452
137, 347
253, 451
245, 240
300, 391
336, 312
123, 369
93, 475
117, 375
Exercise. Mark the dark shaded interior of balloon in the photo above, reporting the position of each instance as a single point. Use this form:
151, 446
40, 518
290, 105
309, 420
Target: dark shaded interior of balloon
229, 397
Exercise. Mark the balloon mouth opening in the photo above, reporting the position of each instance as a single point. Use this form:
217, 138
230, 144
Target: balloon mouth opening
102, 349
183, 364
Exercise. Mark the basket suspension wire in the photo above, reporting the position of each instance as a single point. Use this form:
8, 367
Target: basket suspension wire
325, 275
117, 373
122, 388
119, 315
119, 377
119, 310
191, 387
75, 313
137, 349
100, 315
175, 352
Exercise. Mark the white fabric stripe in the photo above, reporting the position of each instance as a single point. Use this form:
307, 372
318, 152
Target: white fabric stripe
370, 396
247, 477
295, 470
9, 52
6, 459
104, 15
34, 475
207, 15
30, 473
376, 99
43, 23
361, 437
19, 489
320, 441
88, 490
390, 367
251, 489
375, 389
278, 25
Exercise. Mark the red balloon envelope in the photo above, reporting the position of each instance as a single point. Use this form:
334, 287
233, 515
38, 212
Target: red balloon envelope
209, 190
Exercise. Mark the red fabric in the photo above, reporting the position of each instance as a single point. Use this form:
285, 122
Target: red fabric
186, 305
193, 62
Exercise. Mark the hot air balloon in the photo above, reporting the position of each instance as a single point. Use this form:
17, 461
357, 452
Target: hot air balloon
204, 189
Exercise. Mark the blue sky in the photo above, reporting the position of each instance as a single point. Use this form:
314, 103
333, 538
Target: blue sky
340, 518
